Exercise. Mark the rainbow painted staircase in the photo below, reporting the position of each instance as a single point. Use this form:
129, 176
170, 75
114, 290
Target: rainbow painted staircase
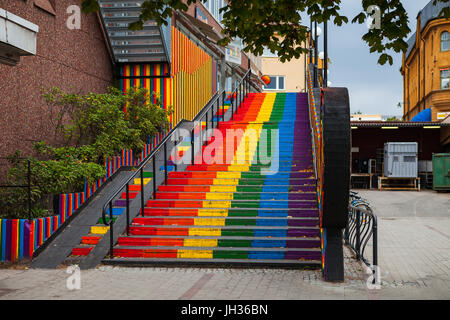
235, 213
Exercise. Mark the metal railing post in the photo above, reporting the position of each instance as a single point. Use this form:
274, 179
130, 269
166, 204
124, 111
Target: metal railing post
29, 189
223, 106
154, 176
165, 163
232, 106
111, 232
217, 112
192, 146
128, 208
142, 192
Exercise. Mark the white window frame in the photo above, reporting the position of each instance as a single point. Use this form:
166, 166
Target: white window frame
278, 83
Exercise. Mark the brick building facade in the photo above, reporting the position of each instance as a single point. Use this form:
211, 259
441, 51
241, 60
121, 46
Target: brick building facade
74, 60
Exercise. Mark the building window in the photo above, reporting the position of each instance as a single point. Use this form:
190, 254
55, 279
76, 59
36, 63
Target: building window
276, 83
268, 54
445, 41
445, 78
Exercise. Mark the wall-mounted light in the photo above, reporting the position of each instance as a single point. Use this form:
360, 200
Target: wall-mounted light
389, 128
432, 127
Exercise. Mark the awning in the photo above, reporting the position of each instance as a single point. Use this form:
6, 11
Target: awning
423, 116
206, 29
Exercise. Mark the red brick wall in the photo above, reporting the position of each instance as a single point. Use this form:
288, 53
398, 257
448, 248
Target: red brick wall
74, 60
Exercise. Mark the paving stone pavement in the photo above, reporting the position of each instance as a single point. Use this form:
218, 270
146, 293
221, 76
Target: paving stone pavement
210, 284
413, 253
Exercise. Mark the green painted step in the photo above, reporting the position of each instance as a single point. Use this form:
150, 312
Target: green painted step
100, 221
230, 254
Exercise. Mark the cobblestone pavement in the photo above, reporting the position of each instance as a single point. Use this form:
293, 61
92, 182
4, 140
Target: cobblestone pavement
108, 282
413, 252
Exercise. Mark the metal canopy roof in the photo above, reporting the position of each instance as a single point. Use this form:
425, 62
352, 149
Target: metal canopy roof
146, 45
381, 124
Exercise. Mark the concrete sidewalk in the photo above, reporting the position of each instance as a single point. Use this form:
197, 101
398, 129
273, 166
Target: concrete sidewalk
413, 251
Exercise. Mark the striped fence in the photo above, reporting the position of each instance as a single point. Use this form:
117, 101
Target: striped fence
317, 143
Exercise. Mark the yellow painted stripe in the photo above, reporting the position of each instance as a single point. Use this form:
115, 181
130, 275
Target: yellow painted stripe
219, 196
99, 230
213, 232
195, 254
138, 181
209, 222
200, 242
216, 204
240, 168
212, 213
222, 189
228, 175
226, 182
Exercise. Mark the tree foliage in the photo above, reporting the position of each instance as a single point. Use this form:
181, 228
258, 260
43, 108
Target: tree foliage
88, 129
257, 21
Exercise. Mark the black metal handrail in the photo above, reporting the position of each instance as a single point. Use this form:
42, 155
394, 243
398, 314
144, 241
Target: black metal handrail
241, 91
362, 225
26, 186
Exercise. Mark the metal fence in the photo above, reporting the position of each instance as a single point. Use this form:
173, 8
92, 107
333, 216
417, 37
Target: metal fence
8, 189
362, 226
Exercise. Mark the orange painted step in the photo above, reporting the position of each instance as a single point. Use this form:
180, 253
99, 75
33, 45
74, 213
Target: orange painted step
148, 212
174, 204
150, 231
184, 188
162, 222
134, 187
145, 253
204, 175
201, 182
186, 196
164, 242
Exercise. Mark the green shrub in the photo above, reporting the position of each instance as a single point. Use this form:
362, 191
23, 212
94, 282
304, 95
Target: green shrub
88, 129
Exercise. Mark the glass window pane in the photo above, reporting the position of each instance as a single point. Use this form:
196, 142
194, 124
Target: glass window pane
445, 41
445, 79
281, 83
272, 85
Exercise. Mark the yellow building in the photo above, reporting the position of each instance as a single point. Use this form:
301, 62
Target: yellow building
426, 66
285, 77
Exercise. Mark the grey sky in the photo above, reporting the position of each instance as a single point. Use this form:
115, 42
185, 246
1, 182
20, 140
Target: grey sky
373, 89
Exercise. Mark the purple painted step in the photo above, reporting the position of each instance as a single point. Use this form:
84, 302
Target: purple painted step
303, 244
302, 196
311, 188
311, 233
295, 181
309, 213
120, 203
301, 175
307, 255
305, 205
302, 223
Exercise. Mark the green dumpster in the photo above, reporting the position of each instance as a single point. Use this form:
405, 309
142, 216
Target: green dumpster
441, 172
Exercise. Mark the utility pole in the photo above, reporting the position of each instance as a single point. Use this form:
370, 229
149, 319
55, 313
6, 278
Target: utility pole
316, 54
